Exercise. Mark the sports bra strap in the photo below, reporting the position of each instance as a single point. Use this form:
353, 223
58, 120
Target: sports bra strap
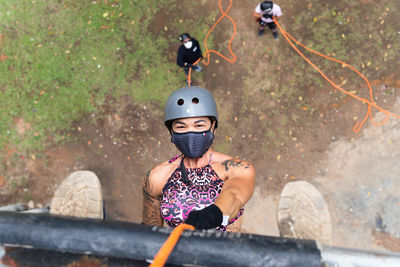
184, 172
183, 169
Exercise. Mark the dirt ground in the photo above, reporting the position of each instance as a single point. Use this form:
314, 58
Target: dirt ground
365, 211
127, 140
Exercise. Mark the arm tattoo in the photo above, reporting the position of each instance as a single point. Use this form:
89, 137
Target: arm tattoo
151, 204
147, 186
235, 163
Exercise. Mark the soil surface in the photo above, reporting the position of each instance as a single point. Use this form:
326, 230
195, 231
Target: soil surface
356, 172
360, 181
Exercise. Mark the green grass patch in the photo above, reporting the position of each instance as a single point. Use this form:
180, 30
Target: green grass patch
62, 59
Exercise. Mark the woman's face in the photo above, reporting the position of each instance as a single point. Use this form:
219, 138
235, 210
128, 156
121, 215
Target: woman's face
196, 124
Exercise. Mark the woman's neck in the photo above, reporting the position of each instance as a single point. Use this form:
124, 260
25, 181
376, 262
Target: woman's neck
199, 162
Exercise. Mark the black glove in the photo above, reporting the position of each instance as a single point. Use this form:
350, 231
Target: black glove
267, 16
207, 218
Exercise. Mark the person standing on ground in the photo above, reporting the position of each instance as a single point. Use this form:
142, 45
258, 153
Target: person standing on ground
264, 13
188, 53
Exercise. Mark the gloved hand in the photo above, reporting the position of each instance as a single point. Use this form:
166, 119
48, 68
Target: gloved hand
207, 218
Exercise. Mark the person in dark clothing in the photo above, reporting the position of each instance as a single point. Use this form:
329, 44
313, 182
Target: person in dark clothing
188, 53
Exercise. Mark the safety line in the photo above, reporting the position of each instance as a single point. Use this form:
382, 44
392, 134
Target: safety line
357, 127
164, 252
208, 52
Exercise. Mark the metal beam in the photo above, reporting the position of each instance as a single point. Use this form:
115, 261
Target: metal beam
140, 242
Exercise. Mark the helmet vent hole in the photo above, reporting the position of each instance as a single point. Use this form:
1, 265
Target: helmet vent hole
180, 102
195, 100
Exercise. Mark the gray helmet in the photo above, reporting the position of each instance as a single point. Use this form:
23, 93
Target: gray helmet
187, 102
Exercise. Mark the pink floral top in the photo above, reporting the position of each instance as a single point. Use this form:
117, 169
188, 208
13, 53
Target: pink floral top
179, 198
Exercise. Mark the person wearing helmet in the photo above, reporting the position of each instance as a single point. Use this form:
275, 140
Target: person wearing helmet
200, 187
264, 13
188, 53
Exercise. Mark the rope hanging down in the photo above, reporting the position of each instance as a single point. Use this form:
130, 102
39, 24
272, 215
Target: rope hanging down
357, 127
163, 254
206, 60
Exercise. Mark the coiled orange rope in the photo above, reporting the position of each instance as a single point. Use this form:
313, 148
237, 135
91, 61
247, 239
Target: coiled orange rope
163, 254
357, 127
206, 60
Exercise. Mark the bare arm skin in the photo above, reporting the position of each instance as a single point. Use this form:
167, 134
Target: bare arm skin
151, 203
238, 187
257, 15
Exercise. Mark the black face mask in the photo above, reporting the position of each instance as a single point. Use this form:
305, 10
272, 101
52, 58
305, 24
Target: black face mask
193, 144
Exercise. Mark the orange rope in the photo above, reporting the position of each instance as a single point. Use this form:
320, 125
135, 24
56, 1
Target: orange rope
207, 53
190, 71
163, 254
357, 127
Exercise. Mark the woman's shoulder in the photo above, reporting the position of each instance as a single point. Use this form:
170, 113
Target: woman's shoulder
164, 169
158, 176
220, 157
226, 159
228, 167
230, 163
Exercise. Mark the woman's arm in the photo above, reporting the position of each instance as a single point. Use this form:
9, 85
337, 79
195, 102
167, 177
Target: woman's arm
151, 203
238, 187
